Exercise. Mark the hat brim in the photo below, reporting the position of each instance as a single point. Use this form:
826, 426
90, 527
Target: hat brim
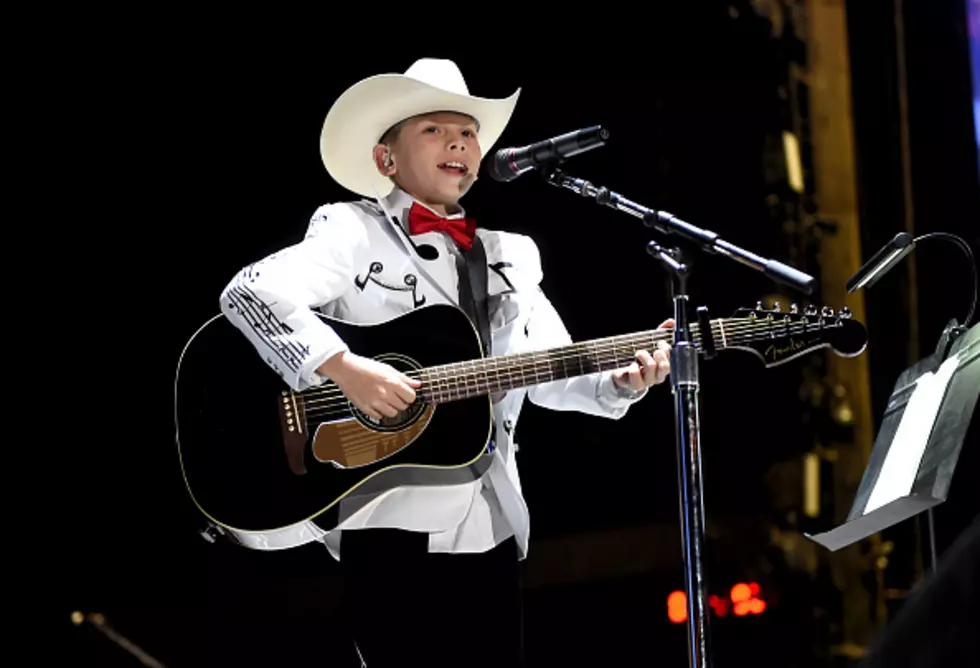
367, 109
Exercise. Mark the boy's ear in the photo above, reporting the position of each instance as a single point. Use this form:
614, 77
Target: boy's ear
384, 160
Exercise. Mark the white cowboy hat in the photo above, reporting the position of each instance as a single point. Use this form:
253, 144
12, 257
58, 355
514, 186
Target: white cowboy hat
367, 109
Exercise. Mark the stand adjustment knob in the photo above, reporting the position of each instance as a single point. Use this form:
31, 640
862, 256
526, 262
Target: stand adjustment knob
707, 336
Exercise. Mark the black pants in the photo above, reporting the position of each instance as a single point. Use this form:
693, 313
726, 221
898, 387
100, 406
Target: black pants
406, 607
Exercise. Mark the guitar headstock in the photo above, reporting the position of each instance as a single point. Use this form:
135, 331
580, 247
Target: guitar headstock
777, 336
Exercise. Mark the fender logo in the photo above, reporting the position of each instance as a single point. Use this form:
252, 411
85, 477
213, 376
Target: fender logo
775, 352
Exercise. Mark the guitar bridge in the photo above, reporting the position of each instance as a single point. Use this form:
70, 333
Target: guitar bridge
292, 420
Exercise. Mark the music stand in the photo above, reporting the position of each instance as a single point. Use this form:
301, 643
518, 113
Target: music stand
915, 454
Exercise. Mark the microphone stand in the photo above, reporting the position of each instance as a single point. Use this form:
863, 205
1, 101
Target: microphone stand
685, 383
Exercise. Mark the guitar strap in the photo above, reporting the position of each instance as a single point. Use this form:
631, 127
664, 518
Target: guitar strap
473, 278
472, 267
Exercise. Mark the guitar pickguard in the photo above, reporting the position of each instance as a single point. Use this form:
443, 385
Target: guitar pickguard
350, 444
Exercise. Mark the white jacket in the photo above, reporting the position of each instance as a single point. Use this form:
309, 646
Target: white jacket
356, 264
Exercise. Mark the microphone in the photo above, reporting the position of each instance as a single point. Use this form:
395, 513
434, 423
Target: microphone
887, 257
509, 163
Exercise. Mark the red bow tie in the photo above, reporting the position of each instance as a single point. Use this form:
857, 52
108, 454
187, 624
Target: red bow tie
421, 220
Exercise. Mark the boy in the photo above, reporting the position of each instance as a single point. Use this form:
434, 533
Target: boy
438, 565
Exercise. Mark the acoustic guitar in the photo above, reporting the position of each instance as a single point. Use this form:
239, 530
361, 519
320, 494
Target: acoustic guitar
269, 467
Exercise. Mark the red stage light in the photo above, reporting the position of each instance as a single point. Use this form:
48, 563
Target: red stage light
741, 592
742, 601
677, 607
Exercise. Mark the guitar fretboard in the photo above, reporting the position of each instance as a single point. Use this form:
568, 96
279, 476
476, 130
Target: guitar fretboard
776, 338
490, 375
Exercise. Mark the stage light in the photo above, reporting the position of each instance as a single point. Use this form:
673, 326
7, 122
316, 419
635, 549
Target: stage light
743, 600
677, 607
794, 164
741, 592
811, 485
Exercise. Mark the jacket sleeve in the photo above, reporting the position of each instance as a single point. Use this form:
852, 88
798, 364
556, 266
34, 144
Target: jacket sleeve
271, 301
530, 313
594, 394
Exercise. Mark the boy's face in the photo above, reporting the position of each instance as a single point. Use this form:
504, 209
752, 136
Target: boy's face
436, 158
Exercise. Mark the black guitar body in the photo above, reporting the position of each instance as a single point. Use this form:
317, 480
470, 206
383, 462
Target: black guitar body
231, 441
274, 468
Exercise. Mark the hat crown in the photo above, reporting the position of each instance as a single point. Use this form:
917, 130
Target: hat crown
439, 73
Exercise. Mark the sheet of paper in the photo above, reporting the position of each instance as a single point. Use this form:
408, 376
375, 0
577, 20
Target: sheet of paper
905, 454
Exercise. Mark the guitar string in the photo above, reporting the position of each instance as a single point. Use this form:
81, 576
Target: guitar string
340, 405
578, 349
317, 407
513, 367
462, 380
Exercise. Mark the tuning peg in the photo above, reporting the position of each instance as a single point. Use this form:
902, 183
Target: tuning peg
759, 306
845, 313
794, 308
810, 309
777, 307
827, 312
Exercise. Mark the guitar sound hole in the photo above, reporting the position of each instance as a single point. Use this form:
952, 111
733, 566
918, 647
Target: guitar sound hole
397, 423
404, 418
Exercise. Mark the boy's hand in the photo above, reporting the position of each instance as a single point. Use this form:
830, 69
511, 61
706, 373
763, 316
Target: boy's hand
647, 370
376, 388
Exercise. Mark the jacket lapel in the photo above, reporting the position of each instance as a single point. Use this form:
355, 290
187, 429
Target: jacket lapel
395, 229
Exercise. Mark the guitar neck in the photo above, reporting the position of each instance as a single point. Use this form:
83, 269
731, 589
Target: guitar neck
462, 380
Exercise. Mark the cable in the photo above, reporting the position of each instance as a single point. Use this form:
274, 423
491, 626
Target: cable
965, 247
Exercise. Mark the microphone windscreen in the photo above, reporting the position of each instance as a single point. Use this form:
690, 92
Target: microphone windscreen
498, 166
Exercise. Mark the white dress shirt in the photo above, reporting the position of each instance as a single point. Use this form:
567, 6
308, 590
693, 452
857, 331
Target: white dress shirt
356, 263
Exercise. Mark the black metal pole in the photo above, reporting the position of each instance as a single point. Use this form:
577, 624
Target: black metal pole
685, 387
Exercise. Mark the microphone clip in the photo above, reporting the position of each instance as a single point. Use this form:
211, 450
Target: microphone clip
551, 171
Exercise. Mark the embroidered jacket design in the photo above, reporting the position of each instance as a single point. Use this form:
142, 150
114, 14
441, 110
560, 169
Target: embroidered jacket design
411, 283
277, 335
497, 267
